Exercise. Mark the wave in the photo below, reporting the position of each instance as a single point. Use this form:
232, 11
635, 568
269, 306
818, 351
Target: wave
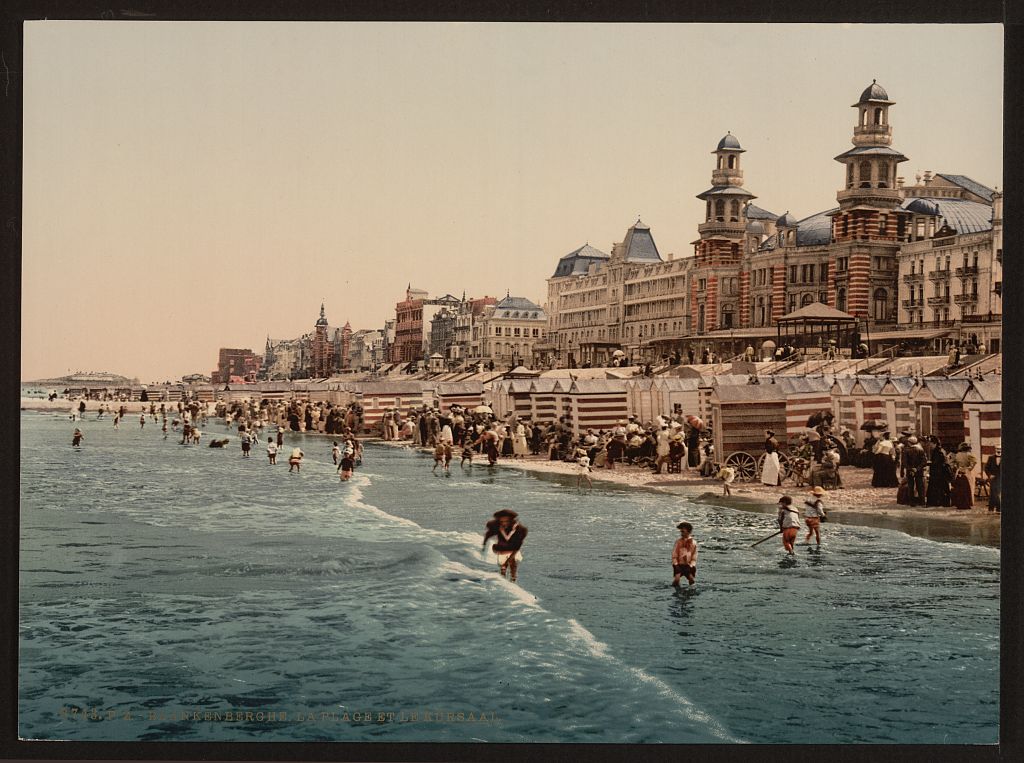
686, 707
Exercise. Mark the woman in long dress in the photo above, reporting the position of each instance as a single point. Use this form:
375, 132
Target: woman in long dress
963, 483
506, 442
938, 476
770, 470
883, 463
520, 448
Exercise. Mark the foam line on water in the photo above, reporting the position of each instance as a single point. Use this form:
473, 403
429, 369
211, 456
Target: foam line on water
517, 592
687, 708
354, 500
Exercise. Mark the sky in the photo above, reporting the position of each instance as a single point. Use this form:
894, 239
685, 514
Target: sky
191, 186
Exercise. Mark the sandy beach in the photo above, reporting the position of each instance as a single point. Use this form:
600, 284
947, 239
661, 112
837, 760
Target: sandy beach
856, 503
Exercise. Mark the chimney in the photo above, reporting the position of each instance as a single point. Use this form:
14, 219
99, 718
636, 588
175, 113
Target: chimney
927, 177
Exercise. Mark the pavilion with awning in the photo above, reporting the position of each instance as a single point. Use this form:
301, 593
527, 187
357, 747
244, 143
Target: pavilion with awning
814, 325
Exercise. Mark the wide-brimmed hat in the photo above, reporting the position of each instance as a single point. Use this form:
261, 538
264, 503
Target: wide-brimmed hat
505, 513
819, 490
912, 440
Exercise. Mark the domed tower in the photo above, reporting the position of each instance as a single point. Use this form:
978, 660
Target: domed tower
869, 224
719, 250
870, 195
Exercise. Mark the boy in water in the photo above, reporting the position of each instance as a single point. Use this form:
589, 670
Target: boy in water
347, 463
467, 454
142, 421
684, 556
438, 455
447, 456
295, 460
789, 522
164, 429
76, 438
335, 452
272, 451
814, 512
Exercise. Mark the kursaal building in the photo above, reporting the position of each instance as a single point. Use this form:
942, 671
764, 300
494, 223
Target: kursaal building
918, 267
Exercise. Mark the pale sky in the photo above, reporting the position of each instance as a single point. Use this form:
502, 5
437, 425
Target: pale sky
190, 186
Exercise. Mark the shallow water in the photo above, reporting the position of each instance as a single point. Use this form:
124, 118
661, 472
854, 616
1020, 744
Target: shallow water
159, 578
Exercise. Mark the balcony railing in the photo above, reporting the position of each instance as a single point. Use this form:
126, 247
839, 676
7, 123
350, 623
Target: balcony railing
911, 303
939, 275
913, 277
965, 299
970, 270
938, 300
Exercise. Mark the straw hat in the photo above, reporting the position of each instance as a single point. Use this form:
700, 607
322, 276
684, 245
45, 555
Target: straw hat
818, 490
505, 513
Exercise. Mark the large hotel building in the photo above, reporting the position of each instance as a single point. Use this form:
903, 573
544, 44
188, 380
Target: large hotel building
918, 267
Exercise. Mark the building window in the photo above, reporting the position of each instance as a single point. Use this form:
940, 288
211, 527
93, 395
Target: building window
865, 174
824, 272
734, 206
841, 300
806, 299
792, 302
702, 284
881, 305
823, 297
720, 210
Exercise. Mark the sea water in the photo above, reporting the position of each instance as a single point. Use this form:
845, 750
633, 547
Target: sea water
165, 586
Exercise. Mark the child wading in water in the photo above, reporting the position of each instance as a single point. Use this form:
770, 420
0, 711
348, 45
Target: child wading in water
272, 451
583, 464
348, 462
789, 522
76, 438
814, 514
438, 455
684, 555
727, 475
467, 455
335, 452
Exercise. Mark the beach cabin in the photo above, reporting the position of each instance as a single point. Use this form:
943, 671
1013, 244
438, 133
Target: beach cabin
204, 393
682, 394
378, 396
896, 401
546, 400
940, 409
596, 404
868, 402
805, 396
844, 406
276, 390
983, 415
741, 414
642, 398
466, 394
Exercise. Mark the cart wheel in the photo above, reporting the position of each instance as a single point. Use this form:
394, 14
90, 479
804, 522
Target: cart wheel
785, 463
744, 464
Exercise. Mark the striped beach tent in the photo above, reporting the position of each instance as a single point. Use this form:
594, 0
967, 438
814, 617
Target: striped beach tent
939, 403
642, 398
596, 404
546, 400
805, 396
468, 394
376, 397
741, 414
983, 415
683, 392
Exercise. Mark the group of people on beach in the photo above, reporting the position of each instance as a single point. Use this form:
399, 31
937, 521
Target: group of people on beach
927, 474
